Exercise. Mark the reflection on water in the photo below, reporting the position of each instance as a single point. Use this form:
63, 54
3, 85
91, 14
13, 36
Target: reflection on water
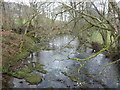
55, 77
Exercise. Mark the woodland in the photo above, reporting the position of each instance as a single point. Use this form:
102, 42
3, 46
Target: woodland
29, 28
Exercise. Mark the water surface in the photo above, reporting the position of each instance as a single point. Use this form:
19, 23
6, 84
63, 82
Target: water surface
87, 77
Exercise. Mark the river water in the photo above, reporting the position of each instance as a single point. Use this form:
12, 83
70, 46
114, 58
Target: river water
87, 77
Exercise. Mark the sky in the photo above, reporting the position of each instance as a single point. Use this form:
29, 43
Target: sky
26, 1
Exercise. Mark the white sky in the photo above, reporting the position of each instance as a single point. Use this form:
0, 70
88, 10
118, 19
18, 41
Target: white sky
27, 1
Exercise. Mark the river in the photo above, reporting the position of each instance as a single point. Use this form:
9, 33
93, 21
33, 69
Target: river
65, 74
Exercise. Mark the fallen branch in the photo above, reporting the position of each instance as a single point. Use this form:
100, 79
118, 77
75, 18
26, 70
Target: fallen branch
109, 65
85, 58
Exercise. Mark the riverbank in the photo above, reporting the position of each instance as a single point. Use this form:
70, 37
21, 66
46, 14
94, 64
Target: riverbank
112, 53
40, 59
15, 48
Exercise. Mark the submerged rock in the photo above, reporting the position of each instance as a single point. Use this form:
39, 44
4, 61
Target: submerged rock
18, 74
29, 77
72, 77
25, 73
39, 68
82, 56
33, 78
36, 67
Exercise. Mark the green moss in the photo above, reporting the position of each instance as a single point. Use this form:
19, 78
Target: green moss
48, 48
38, 65
27, 70
28, 44
33, 78
29, 77
39, 68
22, 54
5, 69
96, 37
25, 45
30, 66
7, 42
18, 74
40, 47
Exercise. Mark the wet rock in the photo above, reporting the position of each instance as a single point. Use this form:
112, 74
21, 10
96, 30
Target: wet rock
30, 66
39, 68
82, 55
37, 64
27, 70
29, 77
18, 74
33, 78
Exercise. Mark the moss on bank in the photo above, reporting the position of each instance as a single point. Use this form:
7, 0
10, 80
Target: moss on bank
29, 77
26, 73
15, 48
38, 67
33, 79
27, 70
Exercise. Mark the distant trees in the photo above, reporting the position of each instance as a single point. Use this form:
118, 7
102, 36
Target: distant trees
84, 19
19, 17
14, 16
100, 16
